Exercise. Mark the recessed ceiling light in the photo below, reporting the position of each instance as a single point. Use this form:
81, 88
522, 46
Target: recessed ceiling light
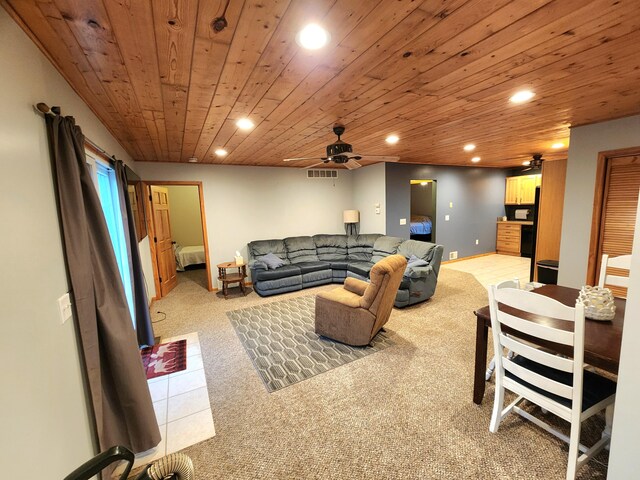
193, 159
469, 147
557, 145
221, 152
522, 96
312, 37
392, 139
526, 163
475, 159
244, 124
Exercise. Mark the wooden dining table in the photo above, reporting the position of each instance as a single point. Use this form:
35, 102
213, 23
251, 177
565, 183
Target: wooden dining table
602, 339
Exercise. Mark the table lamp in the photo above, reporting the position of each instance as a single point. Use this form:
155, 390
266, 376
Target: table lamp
351, 220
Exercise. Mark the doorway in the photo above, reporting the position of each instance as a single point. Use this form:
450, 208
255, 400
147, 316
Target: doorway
178, 234
423, 210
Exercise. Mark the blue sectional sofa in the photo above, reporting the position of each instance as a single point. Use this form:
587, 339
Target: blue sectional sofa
322, 259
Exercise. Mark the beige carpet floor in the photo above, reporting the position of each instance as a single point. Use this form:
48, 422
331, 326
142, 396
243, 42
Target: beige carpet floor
403, 413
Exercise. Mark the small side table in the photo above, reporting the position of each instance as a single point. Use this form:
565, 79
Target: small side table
232, 277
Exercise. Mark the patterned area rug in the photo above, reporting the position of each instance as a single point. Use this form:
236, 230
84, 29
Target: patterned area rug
164, 358
279, 338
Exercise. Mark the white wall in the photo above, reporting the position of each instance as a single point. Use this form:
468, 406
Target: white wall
624, 462
184, 215
369, 190
46, 426
258, 203
586, 143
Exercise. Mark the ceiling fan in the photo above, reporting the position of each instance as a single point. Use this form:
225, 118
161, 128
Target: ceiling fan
341, 153
535, 163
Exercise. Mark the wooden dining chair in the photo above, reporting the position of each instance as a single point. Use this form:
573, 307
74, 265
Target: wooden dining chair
556, 383
623, 262
515, 283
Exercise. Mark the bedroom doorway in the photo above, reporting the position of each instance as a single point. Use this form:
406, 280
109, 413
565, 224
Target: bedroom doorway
178, 233
423, 210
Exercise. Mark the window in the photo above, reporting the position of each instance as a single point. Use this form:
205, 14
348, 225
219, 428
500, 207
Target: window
104, 178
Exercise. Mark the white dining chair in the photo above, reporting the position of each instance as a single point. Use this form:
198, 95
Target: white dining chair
622, 262
515, 283
556, 383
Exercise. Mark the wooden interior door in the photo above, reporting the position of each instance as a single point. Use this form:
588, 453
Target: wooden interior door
619, 205
164, 248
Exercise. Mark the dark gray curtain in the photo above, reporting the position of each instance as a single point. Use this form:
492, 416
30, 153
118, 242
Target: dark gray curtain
120, 396
144, 328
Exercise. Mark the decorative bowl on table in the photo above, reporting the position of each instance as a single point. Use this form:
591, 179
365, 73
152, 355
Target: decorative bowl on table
598, 303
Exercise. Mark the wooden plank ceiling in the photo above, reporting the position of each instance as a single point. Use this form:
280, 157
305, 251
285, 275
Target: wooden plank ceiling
437, 73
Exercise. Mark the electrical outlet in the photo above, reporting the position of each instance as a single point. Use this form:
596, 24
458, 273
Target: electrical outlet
377, 210
403, 221
64, 307
477, 241
453, 255
446, 218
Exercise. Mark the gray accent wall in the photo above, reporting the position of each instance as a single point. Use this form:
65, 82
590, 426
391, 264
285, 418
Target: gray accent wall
586, 143
478, 199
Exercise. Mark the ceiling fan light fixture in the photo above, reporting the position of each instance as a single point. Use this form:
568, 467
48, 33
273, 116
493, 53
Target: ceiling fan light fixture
469, 147
392, 139
221, 152
312, 37
526, 163
475, 159
244, 124
522, 96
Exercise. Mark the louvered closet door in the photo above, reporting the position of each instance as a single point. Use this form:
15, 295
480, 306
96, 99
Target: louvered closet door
619, 212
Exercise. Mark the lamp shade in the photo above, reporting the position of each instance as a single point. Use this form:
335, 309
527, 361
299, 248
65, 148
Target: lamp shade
351, 216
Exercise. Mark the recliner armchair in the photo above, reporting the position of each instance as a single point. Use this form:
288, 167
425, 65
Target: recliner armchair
355, 313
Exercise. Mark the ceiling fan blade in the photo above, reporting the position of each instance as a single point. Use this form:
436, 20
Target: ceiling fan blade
352, 165
316, 164
379, 158
301, 158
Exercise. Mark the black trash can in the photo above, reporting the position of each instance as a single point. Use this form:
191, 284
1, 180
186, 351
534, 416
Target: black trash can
548, 272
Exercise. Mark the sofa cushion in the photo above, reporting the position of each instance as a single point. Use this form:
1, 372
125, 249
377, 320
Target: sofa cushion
282, 272
414, 261
423, 250
361, 268
360, 247
300, 249
260, 248
331, 247
306, 267
339, 264
385, 246
272, 261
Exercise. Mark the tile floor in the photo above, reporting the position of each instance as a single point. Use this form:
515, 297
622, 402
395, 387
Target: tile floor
491, 269
181, 403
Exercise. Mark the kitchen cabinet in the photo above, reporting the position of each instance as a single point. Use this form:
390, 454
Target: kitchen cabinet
508, 238
521, 190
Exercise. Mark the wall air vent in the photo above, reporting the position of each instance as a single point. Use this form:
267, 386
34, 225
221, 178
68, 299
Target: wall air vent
322, 173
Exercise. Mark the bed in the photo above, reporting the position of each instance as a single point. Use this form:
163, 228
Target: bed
190, 255
420, 228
